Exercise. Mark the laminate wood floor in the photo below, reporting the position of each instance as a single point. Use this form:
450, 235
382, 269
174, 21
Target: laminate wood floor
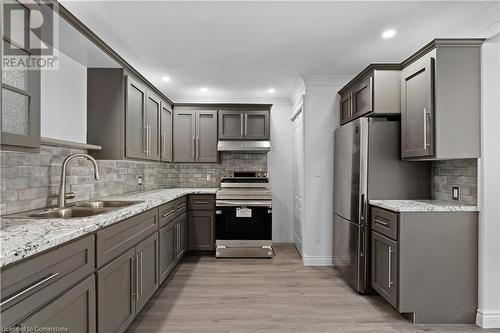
268, 295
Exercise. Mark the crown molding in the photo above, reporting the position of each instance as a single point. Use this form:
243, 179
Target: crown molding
231, 100
325, 79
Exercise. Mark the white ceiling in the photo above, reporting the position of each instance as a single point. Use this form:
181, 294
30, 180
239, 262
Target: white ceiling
240, 49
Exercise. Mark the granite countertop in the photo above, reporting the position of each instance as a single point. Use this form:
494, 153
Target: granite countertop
21, 238
422, 206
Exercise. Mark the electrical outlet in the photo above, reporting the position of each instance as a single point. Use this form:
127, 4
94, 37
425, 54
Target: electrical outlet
318, 172
455, 193
209, 178
140, 180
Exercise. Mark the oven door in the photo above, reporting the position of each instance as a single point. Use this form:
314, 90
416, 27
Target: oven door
243, 223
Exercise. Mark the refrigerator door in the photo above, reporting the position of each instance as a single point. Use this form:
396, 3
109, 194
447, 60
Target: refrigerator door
349, 244
350, 157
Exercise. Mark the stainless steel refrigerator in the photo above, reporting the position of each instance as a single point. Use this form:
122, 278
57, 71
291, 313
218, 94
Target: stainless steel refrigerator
368, 165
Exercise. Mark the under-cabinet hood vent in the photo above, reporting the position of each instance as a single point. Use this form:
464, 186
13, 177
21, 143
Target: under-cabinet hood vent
240, 145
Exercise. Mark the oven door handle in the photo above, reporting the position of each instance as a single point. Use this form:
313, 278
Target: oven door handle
249, 203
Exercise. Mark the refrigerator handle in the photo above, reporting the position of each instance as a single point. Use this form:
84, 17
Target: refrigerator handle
362, 242
363, 208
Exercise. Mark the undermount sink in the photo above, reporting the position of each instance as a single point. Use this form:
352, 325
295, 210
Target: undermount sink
80, 209
107, 204
69, 212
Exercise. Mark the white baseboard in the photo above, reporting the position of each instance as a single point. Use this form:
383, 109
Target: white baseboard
488, 318
317, 261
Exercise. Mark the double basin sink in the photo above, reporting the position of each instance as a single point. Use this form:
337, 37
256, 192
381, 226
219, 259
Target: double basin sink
82, 209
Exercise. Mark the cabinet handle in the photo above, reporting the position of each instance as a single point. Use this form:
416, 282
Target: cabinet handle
370, 91
192, 152
197, 148
141, 272
382, 223
425, 128
201, 202
145, 138
182, 206
29, 288
246, 124
162, 139
351, 106
168, 213
390, 267
241, 123
136, 276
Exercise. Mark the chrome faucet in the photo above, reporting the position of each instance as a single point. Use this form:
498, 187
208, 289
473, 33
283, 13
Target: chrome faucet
61, 201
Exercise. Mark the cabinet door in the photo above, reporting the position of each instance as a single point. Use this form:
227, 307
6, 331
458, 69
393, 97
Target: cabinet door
184, 230
166, 237
166, 132
75, 310
256, 125
385, 268
184, 136
135, 133
20, 89
177, 241
201, 230
345, 108
116, 293
231, 125
147, 264
153, 109
362, 98
206, 136
417, 90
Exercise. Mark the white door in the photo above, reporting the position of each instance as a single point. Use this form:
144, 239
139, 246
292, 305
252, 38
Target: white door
298, 179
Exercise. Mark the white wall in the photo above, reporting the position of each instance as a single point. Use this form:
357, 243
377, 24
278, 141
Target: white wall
320, 120
64, 101
280, 170
488, 313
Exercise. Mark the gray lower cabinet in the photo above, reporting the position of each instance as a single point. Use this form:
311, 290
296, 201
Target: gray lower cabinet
195, 136
147, 270
422, 260
74, 311
180, 234
437, 102
167, 255
244, 125
116, 293
385, 267
201, 223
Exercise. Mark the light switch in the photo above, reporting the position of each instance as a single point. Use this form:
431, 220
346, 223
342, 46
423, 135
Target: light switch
208, 177
318, 172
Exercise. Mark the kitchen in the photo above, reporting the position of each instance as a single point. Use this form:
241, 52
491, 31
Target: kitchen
199, 186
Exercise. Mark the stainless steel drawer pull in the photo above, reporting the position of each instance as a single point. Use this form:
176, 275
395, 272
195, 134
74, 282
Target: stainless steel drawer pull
182, 206
170, 212
201, 202
381, 222
391, 251
29, 288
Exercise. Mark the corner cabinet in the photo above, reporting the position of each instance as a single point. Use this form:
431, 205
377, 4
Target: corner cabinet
195, 136
126, 118
375, 91
244, 125
440, 101
20, 96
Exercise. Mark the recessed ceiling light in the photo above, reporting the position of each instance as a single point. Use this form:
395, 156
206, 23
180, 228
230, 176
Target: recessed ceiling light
166, 78
203, 89
271, 90
389, 33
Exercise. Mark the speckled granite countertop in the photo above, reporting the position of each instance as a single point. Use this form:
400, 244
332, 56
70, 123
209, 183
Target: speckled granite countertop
422, 206
21, 238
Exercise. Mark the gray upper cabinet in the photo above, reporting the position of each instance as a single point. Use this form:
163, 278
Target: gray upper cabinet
184, 136
375, 91
20, 96
195, 136
417, 81
152, 127
436, 124
166, 132
126, 118
206, 136
135, 133
244, 125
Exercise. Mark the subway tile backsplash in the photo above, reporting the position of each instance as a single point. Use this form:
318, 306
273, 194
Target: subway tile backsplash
461, 173
31, 180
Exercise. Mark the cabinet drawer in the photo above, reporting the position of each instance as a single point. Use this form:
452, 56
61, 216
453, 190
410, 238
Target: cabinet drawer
180, 206
385, 222
118, 238
167, 213
201, 202
24, 285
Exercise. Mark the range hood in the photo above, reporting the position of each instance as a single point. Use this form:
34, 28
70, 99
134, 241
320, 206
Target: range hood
258, 146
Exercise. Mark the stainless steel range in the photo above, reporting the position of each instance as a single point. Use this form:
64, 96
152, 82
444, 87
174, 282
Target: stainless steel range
243, 226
